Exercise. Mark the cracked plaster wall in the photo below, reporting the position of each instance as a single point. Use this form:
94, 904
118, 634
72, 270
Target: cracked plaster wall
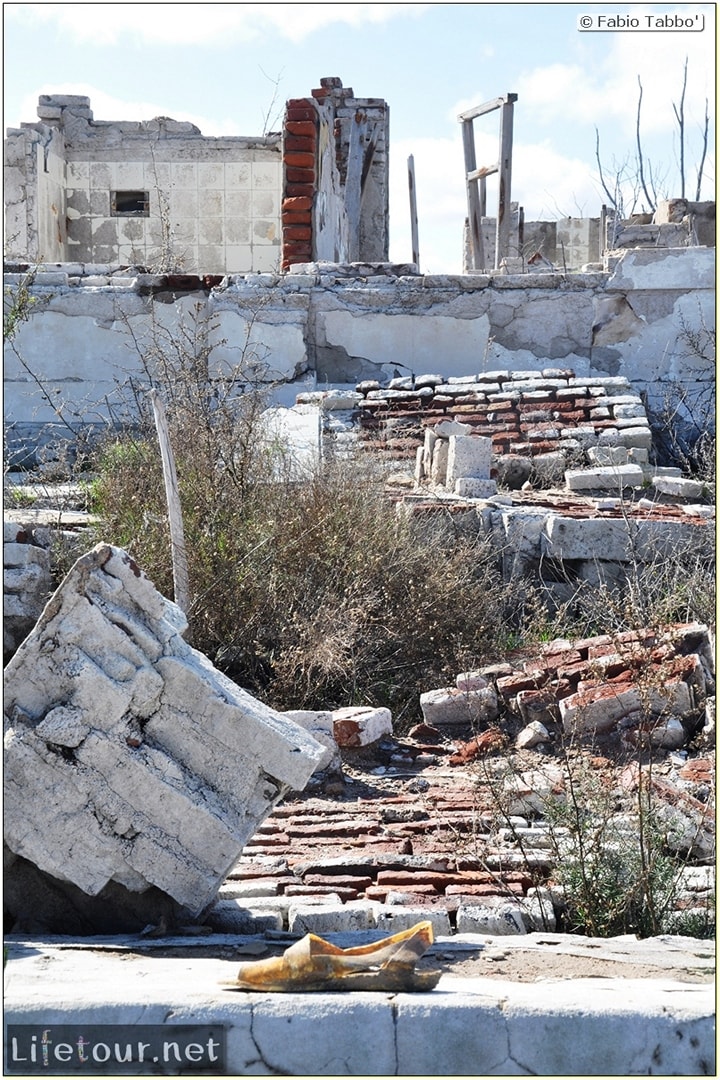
320, 328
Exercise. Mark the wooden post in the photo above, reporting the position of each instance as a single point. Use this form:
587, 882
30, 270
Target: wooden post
181, 583
354, 182
504, 216
477, 255
413, 213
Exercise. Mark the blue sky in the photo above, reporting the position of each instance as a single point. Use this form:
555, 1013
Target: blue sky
230, 67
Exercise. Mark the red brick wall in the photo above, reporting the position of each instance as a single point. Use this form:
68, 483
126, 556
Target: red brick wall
300, 164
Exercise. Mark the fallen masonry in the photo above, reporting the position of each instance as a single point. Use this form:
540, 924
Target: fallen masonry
407, 836
437, 825
134, 771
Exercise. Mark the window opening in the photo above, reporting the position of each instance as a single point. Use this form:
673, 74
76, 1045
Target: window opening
130, 204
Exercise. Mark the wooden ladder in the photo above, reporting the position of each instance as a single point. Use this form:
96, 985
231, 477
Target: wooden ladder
475, 180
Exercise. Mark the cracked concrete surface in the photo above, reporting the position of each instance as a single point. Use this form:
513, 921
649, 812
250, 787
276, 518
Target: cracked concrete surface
467, 1026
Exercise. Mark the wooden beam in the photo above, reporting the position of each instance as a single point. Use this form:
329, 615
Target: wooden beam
413, 212
486, 107
353, 182
181, 583
481, 173
477, 255
504, 216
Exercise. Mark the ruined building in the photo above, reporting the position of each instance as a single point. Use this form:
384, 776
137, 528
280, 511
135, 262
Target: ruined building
160, 194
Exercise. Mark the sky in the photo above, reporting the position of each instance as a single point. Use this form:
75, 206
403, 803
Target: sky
230, 67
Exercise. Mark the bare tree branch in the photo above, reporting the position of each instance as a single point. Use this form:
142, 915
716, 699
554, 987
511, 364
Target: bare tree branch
610, 197
701, 166
271, 115
680, 117
641, 171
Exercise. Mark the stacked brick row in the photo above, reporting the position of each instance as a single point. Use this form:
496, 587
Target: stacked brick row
300, 164
398, 849
599, 684
435, 840
526, 413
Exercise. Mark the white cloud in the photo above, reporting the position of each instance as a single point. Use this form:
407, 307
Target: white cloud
202, 24
603, 90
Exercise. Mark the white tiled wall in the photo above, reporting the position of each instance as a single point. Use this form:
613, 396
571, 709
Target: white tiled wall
224, 217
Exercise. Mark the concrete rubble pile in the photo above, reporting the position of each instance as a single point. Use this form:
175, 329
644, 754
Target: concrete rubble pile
27, 583
434, 843
525, 413
590, 434
134, 771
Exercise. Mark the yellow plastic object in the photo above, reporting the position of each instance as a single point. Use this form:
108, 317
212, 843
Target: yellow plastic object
315, 964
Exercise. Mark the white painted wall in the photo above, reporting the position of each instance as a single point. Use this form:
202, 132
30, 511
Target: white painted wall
322, 330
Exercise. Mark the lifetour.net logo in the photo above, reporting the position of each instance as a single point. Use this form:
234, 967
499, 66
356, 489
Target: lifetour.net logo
114, 1049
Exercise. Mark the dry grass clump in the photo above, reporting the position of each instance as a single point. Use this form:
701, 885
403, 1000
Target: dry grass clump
313, 593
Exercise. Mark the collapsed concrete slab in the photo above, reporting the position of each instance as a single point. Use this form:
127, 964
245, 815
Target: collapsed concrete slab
134, 770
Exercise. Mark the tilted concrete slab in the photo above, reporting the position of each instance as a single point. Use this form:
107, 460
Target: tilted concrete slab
466, 1026
129, 759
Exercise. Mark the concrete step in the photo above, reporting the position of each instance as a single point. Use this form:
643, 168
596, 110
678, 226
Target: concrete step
652, 1021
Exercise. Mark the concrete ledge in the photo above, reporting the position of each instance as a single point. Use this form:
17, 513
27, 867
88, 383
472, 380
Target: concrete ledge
466, 1026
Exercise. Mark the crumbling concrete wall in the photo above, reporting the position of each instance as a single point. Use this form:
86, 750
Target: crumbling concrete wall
34, 193
134, 771
336, 195
159, 194
209, 203
328, 325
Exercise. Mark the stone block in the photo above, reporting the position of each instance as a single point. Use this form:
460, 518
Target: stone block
171, 767
320, 726
361, 725
537, 706
607, 455
471, 680
599, 709
496, 920
472, 487
17, 555
438, 470
427, 452
419, 472
585, 538
539, 909
657, 539
454, 706
468, 455
610, 477
680, 487
549, 468
396, 918
331, 918
233, 917
630, 411
534, 734
667, 732
640, 437
446, 428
